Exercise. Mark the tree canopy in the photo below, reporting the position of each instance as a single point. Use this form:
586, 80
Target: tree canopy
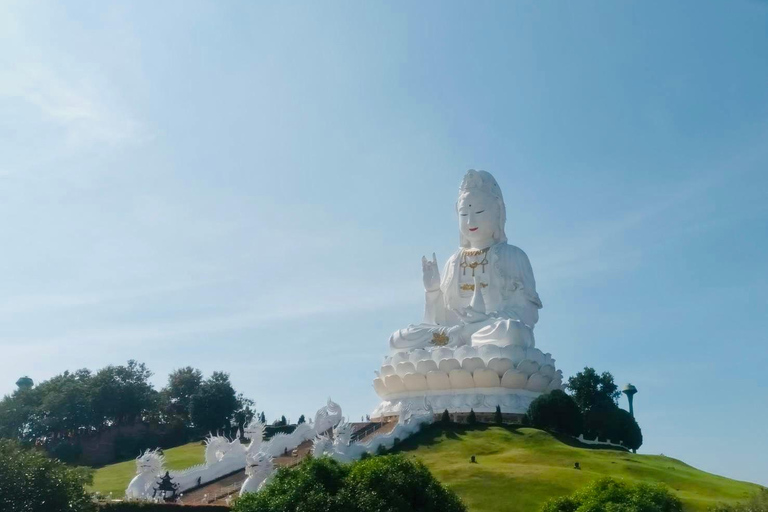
589, 389
556, 411
591, 408
183, 384
214, 405
607, 421
389, 483
58, 412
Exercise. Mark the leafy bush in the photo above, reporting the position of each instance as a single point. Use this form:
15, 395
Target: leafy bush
389, 483
397, 484
32, 482
555, 411
313, 486
610, 495
607, 421
596, 395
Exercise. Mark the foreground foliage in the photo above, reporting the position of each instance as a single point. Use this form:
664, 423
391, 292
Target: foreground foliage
32, 482
377, 484
608, 495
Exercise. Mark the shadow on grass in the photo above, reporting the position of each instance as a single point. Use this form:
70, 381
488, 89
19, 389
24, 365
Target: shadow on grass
434, 433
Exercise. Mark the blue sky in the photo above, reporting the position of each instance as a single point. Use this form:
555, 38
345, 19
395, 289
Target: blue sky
250, 187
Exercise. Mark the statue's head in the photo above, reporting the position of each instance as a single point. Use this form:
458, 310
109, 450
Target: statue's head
481, 210
327, 417
151, 461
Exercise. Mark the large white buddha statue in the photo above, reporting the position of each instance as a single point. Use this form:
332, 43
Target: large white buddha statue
488, 293
476, 340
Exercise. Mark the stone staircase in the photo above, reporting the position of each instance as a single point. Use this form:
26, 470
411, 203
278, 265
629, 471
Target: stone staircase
222, 491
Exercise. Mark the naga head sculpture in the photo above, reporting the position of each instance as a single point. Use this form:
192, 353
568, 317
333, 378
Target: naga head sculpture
327, 417
216, 448
151, 462
342, 434
255, 432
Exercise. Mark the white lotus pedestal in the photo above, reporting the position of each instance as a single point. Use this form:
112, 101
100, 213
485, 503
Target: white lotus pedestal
485, 303
464, 379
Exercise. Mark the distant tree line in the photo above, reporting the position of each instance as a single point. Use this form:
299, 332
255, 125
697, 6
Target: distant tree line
590, 409
61, 411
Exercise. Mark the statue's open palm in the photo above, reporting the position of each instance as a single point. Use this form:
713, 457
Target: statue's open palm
431, 273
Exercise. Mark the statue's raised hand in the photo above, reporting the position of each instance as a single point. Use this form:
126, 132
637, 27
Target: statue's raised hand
431, 273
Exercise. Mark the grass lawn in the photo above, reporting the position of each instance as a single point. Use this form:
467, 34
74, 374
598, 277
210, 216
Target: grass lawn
518, 469
114, 478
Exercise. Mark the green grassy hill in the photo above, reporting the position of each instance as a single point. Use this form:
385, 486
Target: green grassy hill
518, 469
114, 478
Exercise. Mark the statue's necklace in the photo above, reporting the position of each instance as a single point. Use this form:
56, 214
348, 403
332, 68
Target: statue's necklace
474, 264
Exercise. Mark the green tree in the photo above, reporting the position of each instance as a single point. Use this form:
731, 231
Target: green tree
497, 417
394, 483
183, 384
607, 421
18, 413
123, 394
472, 417
57, 408
302, 419
589, 389
215, 403
32, 482
445, 418
313, 486
606, 495
65, 407
390, 483
555, 411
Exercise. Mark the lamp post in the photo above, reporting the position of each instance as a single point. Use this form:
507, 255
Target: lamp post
630, 391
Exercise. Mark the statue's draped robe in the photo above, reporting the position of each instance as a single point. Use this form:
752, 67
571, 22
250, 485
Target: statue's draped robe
510, 299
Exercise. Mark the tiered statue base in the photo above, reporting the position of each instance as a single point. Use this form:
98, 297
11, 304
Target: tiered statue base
479, 400
465, 379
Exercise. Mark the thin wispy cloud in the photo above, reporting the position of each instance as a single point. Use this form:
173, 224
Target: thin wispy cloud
54, 104
275, 307
79, 107
45, 303
584, 253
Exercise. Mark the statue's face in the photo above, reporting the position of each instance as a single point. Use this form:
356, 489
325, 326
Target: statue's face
478, 217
